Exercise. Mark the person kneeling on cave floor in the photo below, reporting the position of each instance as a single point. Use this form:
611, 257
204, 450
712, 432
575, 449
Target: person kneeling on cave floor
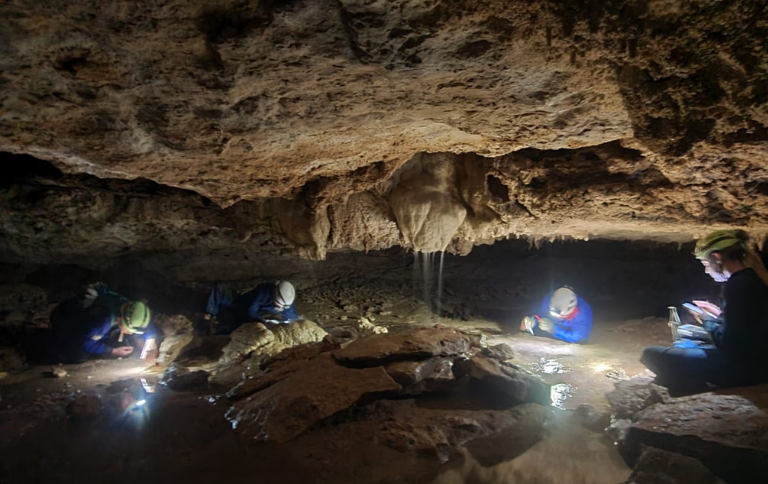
270, 303
103, 324
562, 315
739, 355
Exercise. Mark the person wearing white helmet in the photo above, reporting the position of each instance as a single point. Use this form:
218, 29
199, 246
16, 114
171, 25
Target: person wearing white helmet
562, 315
270, 302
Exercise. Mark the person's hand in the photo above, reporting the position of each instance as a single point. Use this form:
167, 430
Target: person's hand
123, 351
527, 324
545, 324
708, 307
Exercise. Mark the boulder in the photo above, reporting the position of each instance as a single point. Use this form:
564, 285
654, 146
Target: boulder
178, 378
320, 389
179, 335
260, 342
727, 430
297, 333
632, 396
245, 340
591, 419
422, 376
657, 466
419, 344
500, 351
513, 382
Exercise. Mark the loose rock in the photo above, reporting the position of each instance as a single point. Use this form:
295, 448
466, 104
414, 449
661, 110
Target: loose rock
422, 376
632, 396
58, 372
365, 327
500, 352
518, 385
657, 466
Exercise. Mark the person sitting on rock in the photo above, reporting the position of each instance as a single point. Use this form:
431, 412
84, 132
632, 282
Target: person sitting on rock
270, 302
739, 355
103, 324
562, 315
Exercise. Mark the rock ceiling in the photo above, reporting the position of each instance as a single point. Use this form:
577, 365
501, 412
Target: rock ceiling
311, 125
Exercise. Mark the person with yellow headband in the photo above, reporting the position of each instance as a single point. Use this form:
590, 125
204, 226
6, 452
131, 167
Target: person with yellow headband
103, 324
739, 355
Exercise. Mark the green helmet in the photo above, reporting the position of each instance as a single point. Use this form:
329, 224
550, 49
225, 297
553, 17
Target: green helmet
136, 316
719, 240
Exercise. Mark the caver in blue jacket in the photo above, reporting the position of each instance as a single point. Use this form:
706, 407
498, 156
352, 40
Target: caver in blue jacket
91, 327
264, 303
576, 328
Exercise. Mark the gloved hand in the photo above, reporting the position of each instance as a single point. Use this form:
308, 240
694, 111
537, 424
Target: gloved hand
545, 324
528, 324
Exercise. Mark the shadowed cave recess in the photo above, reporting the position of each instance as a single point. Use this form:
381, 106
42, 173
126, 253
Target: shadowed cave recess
424, 173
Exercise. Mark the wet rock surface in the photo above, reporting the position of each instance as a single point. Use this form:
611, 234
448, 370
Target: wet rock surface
514, 383
315, 392
632, 396
85, 406
179, 378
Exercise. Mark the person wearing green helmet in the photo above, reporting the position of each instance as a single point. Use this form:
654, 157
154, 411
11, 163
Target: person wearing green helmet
103, 324
739, 355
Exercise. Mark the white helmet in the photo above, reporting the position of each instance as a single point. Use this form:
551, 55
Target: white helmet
562, 303
285, 294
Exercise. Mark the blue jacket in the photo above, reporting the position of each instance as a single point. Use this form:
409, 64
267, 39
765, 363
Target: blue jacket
261, 300
98, 334
575, 329
108, 307
252, 305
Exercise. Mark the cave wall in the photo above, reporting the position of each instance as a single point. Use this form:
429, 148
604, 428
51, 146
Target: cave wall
285, 126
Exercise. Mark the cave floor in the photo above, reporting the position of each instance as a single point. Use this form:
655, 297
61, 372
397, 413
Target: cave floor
186, 431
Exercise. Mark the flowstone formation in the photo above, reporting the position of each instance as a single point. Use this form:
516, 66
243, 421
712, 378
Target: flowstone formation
304, 126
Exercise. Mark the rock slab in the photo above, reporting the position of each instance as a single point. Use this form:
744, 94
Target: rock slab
518, 385
727, 430
420, 344
657, 466
422, 376
291, 406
